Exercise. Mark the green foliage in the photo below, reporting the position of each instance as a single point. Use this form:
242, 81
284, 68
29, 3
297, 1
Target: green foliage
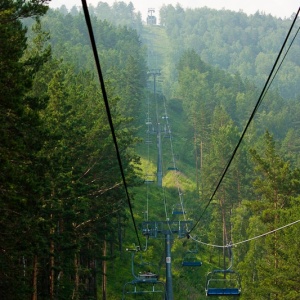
64, 222
121, 56
21, 139
119, 13
55, 190
234, 42
276, 185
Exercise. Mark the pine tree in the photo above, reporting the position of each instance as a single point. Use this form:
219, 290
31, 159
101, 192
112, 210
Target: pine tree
21, 176
276, 185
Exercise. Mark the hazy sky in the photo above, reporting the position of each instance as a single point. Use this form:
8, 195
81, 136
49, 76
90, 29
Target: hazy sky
278, 8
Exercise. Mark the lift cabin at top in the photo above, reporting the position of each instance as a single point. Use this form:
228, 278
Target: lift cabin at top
145, 284
224, 282
151, 20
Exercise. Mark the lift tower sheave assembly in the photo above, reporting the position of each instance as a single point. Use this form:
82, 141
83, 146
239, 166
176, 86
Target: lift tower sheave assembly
167, 229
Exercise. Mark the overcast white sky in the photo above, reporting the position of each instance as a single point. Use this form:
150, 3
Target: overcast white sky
277, 8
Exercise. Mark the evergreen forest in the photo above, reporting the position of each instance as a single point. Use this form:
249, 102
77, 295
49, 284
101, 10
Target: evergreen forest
91, 199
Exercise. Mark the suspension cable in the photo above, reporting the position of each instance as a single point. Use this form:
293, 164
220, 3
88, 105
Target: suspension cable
247, 240
169, 133
105, 99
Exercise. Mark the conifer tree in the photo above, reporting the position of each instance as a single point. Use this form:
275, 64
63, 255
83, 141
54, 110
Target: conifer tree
276, 185
21, 171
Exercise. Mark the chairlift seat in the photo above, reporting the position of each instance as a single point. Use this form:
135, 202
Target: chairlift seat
178, 212
148, 276
191, 264
148, 181
223, 292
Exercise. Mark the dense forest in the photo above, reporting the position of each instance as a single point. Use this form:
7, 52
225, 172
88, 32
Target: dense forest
195, 79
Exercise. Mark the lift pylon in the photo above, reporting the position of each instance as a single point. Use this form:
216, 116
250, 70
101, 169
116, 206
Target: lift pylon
167, 230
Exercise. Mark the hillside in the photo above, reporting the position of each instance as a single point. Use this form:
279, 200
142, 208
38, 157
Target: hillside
235, 42
190, 115
155, 159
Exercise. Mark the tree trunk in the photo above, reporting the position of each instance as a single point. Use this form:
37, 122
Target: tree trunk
51, 277
76, 280
104, 269
34, 278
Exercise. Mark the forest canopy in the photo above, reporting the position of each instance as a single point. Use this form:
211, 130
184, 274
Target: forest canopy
189, 85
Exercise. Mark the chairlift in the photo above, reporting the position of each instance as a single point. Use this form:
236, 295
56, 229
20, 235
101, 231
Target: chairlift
178, 210
150, 131
146, 282
148, 179
190, 260
173, 169
224, 282
167, 132
148, 120
146, 269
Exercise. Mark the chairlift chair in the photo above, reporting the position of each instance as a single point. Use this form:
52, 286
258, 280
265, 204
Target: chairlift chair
148, 120
150, 131
167, 133
149, 179
223, 283
145, 282
173, 169
178, 210
190, 260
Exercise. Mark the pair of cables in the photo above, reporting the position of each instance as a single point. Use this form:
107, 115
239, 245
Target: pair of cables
276, 66
266, 87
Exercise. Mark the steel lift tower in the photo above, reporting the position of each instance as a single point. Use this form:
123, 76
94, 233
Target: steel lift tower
167, 229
